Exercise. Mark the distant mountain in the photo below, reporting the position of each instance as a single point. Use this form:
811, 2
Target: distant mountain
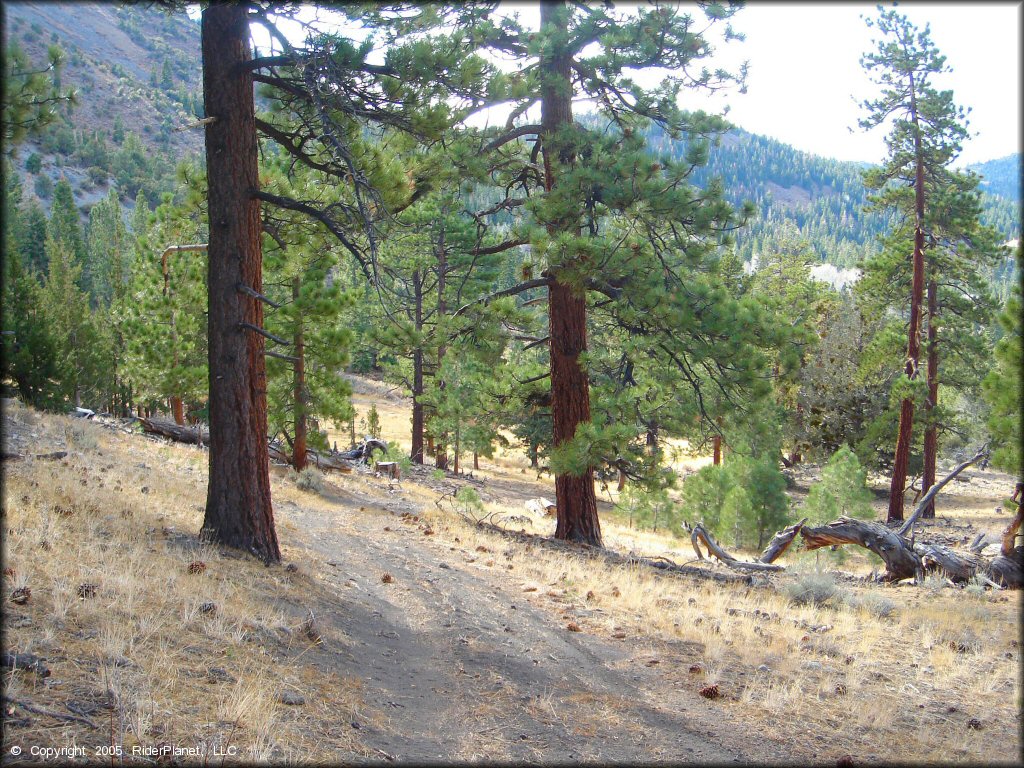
823, 198
1001, 177
138, 75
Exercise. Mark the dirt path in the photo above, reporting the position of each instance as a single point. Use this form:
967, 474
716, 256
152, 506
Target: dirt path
469, 669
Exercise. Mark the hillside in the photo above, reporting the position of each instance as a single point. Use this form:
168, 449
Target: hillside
139, 79
138, 76
399, 629
1001, 177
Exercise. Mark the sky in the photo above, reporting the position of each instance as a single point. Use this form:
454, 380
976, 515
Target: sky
805, 74
805, 78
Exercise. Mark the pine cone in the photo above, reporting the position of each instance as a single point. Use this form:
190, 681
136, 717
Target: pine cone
196, 566
21, 595
710, 692
87, 590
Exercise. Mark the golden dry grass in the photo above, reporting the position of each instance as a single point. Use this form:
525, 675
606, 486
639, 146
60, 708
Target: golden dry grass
157, 655
891, 673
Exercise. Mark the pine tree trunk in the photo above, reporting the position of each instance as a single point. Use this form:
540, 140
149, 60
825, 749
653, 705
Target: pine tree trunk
575, 498
931, 432
716, 446
441, 457
905, 434
177, 410
416, 452
299, 389
476, 460
238, 507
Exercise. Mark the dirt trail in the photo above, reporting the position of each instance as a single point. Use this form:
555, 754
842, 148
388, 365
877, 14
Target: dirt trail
469, 669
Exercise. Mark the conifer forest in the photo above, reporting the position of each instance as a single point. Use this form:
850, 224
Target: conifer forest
425, 383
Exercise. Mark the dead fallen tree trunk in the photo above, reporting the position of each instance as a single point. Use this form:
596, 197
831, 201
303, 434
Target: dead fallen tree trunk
178, 432
785, 538
901, 562
322, 461
905, 560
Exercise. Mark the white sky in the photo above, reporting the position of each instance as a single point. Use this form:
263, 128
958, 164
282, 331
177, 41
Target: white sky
805, 76
805, 71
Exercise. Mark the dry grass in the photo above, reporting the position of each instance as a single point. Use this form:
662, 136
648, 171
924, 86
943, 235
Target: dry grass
882, 673
157, 655
899, 667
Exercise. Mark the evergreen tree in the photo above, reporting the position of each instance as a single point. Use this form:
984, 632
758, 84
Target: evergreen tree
841, 492
107, 266
30, 231
1003, 388
32, 94
65, 225
927, 129
30, 356
83, 357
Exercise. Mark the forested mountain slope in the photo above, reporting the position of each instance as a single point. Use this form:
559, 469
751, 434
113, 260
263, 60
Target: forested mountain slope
139, 82
138, 77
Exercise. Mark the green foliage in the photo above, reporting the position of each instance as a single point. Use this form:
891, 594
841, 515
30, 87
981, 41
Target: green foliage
703, 495
468, 502
162, 315
841, 491
1002, 388
34, 163
371, 424
652, 509
32, 93
769, 506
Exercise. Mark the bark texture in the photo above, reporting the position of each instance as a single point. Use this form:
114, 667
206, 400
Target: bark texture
903, 438
931, 432
575, 496
299, 447
238, 507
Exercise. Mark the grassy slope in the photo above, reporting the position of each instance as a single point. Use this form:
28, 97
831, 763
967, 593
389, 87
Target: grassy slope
879, 673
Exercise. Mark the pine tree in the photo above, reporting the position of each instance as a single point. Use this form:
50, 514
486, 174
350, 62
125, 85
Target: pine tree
32, 94
841, 492
927, 130
238, 507
1003, 386
65, 226
107, 263
29, 348
951, 249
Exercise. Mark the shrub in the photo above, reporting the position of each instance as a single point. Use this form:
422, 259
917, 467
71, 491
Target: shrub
468, 502
311, 480
769, 506
734, 509
814, 588
842, 490
34, 163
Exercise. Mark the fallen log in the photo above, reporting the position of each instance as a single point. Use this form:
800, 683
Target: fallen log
904, 559
178, 432
780, 542
901, 562
701, 534
322, 461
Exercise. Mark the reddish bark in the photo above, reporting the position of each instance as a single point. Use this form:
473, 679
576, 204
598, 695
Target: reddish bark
903, 439
416, 453
931, 433
576, 500
716, 445
238, 506
177, 410
299, 448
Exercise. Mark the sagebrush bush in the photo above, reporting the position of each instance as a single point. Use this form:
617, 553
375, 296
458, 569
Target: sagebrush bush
310, 479
815, 588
